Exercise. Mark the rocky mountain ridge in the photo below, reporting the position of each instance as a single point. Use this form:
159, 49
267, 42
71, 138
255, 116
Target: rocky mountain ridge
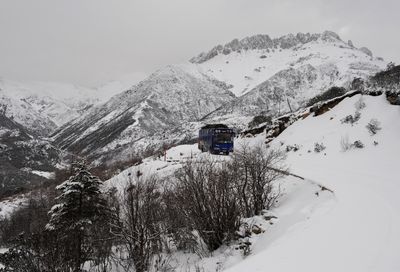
265, 42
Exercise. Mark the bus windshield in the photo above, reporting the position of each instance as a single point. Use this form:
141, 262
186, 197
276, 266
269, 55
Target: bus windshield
223, 138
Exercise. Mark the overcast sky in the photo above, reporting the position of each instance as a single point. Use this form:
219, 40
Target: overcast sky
92, 41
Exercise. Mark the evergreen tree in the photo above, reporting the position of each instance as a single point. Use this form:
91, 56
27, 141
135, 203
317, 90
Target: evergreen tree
80, 219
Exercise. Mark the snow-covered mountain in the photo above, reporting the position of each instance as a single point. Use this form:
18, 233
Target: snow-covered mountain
29, 113
24, 158
273, 76
268, 77
44, 106
247, 63
151, 110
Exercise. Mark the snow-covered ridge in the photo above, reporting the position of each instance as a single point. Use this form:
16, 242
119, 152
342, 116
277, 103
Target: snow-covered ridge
264, 42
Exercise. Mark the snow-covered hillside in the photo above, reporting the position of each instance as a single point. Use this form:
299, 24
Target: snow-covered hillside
361, 231
247, 63
153, 109
24, 159
44, 106
356, 227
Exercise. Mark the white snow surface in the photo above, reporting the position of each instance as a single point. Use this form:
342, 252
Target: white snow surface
355, 228
44, 174
8, 206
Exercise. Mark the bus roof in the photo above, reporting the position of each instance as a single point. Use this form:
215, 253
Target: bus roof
214, 126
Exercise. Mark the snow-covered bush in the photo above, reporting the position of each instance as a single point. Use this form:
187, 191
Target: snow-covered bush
351, 119
318, 147
76, 231
329, 94
358, 144
294, 148
360, 104
346, 145
259, 119
245, 246
373, 126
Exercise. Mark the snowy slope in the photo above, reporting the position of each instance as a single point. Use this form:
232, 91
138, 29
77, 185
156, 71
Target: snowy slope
355, 228
362, 230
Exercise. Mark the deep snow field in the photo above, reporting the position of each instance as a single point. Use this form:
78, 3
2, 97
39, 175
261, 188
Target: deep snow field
355, 228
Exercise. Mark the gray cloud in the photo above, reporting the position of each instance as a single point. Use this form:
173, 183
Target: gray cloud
92, 41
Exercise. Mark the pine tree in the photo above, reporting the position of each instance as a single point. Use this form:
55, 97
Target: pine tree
80, 215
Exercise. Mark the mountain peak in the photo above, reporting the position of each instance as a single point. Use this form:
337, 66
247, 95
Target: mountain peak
263, 41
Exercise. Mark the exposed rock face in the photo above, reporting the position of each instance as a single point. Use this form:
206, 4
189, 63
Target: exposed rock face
350, 43
366, 51
21, 154
265, 42
286, 90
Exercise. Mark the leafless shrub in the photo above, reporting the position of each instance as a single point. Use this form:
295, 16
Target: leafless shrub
141, 228
373, 126
208, 201
360, 104
351, 119
345, 143
162, 263
358, 144
180, 232
294, 148
254, 171
318, 147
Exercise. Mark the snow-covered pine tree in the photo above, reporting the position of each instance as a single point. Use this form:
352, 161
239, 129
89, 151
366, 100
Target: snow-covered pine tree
80, 218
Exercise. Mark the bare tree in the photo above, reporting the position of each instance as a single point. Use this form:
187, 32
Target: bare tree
208, 201
255, 171
142, 221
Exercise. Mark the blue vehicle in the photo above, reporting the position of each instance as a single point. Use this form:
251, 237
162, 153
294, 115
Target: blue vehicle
216, 139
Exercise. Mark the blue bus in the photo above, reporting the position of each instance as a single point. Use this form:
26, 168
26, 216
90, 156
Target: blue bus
216, 139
